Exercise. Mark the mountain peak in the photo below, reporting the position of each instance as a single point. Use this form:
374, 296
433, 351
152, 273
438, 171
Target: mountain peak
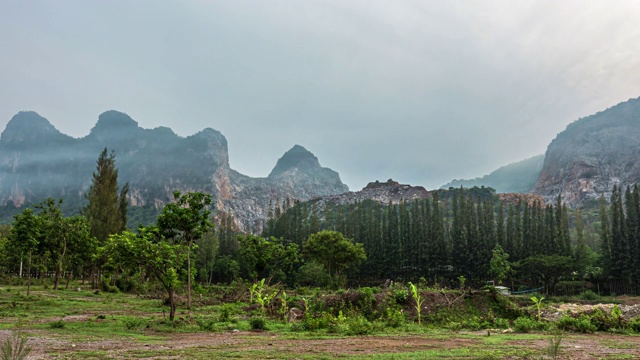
297, 157
28, 128
114, 120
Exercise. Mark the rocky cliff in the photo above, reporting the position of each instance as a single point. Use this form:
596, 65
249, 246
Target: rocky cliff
393, 192
592, 155
38, 161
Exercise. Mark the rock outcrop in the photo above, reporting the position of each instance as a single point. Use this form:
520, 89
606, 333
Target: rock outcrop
592, 155
38, 161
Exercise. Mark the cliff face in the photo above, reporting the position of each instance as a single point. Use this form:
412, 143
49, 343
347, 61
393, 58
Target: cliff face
37, 161
592, 155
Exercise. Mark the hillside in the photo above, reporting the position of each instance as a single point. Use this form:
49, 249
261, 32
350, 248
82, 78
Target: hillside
519, 177
592, 155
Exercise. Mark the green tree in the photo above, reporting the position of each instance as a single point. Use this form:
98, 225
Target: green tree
184, 221
106, 210
148, 249
24, 239
334, 251
548, 268
499, 265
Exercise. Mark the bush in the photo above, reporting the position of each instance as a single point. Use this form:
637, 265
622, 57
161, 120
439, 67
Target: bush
526, 324
57, 324
582, 324
400, 296
588, 295
359, 325
132, 322
635, 325
258, 323
205, 324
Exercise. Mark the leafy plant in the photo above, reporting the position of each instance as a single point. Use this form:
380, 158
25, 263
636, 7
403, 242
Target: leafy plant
15, 347
538, 303
418, 300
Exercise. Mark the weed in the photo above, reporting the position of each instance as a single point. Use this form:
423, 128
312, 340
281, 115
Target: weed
205, 324
553, 349
589, 295
132, 322
57, 324
15, 347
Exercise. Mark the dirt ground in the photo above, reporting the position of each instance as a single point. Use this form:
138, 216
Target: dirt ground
573, 346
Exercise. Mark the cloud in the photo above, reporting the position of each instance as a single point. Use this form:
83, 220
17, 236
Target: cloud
419, 91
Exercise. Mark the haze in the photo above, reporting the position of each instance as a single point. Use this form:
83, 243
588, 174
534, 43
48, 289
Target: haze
418, 91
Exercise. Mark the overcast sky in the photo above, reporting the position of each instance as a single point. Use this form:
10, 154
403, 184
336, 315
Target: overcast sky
418, 91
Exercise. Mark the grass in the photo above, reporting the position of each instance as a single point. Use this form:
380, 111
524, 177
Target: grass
139, 328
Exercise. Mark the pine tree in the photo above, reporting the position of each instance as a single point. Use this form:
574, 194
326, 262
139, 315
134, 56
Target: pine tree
106, 211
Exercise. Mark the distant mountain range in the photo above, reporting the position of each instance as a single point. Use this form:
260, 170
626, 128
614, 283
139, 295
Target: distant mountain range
582, 163
519, 177
38, 161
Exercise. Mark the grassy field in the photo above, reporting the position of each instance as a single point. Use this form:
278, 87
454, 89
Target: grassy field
72, 324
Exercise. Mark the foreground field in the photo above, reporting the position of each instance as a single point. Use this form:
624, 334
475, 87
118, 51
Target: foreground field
84, 325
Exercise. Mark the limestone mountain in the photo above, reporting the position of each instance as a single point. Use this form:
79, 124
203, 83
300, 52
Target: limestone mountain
519, 177
392, 192
592, 155
38, 161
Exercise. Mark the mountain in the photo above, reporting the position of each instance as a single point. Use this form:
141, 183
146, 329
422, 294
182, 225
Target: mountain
38, 161
392, 192
592, 155
519, 177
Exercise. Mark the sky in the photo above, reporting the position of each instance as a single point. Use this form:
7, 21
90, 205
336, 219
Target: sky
419, 91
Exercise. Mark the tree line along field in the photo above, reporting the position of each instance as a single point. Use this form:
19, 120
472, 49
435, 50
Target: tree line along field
414, 271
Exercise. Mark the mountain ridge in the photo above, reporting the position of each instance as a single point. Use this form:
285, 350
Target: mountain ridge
155, 162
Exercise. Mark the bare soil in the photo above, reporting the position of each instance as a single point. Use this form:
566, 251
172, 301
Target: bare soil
573, 346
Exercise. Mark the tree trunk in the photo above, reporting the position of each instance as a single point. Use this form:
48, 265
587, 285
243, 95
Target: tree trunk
58, 274
172, 304
68, 280
29, 274
20, 266
189, 276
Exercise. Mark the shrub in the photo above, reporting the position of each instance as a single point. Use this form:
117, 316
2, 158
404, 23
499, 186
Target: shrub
258, 323
132, 322
635, 325
359, 325
400, 296
588, 295
57, 324
394, 318
205, 324
526, 324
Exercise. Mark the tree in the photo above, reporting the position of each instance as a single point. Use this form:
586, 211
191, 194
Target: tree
148, 249
59, 236
184, 221
106, 211
548, 268
333, 250
24, 239
499, 265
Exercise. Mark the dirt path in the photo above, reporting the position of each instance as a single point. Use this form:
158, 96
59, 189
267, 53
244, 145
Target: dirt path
264, 344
